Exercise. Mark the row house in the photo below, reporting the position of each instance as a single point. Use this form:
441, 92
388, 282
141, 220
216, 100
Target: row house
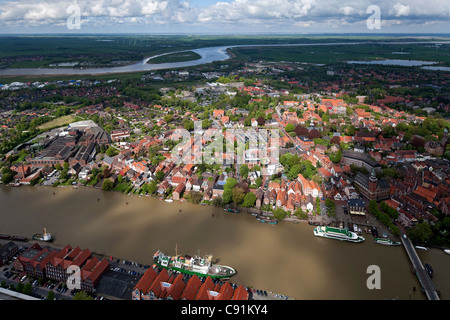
178, 191
33, 261
91, 273
163, 286
310, 187
57, 266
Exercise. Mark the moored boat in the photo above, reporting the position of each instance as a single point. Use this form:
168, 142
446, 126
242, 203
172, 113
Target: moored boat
387, 242
231, 210
5, 236
46, 236
422, 248
266, 220
337, 233
200, 266
19, 238
447, 251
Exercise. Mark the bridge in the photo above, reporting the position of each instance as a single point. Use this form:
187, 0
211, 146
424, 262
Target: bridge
423, 276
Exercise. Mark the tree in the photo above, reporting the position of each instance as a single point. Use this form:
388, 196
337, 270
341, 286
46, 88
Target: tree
238, 195
314, 134
107, 185
289, 127
168, 118
81, 295
152, 186
318, 205
27, 288
249, 200
227, 196
159, 175
331, 207
217, 202
335, 140
231, 182
299, 213
243, 170
421, 233
279, 213
195, 196
50, 295
300, 130
19, 287
261, 121
111, 151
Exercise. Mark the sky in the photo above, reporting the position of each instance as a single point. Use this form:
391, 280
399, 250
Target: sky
224, 16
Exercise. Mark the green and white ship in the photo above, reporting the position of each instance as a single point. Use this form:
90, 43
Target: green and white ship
337, 233
387, 242
200, 266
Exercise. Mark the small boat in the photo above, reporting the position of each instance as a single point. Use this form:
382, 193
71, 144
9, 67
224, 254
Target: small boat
447, 251
387, 242
231, 210
47, 237
19, 238
422, 248
168, 200
267, 220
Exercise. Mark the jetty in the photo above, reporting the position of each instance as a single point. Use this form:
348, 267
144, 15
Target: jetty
424, 278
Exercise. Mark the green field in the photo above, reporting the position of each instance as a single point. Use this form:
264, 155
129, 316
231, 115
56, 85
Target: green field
330, 54
58, 122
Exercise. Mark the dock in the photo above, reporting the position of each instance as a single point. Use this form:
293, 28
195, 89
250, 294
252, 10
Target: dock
425, 281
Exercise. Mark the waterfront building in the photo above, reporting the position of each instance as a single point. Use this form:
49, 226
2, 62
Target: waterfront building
356, 206
170, 286
7, 251
372, 188
92, 272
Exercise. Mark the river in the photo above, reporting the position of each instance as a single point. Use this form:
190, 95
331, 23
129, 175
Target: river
208, 55
284, 258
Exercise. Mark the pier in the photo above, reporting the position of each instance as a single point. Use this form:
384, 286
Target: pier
424, 279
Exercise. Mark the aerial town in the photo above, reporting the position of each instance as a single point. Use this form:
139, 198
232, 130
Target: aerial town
344, 160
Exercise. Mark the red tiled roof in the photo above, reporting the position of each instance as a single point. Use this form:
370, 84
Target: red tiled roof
146, 280
156, 287
240, 293
203, 292
191, 288
176, 288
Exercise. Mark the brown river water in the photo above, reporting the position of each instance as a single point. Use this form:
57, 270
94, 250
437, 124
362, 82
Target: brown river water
285, 258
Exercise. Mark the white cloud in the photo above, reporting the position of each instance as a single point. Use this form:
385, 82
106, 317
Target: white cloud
400, 10
279, 15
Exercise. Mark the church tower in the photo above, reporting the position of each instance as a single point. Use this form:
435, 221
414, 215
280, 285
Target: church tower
373, 184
